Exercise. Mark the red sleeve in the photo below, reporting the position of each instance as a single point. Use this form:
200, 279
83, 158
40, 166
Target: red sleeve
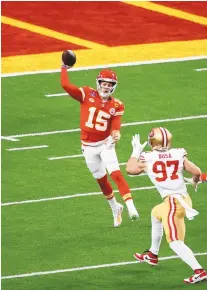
71, 89
119, 108
203, 177
116, 120
116, 123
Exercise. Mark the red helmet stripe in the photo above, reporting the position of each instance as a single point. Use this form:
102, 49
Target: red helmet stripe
164, 141
166, 137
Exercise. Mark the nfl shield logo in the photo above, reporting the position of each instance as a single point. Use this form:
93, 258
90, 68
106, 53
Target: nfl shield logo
93, 94
112, 111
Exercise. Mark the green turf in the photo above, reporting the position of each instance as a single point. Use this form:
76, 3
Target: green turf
78, 232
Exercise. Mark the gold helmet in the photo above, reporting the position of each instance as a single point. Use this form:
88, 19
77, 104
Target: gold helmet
159, 139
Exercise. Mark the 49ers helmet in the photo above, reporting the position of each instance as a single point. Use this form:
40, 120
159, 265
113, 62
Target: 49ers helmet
106, 75
159, 139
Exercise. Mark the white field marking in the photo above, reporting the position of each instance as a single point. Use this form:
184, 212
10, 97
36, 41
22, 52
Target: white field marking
56, 95
81, 155
27, 148
73, 196
73, 156
155, 61
200, 69
65, 157
89, 267
69, 196
9, 138
123, 125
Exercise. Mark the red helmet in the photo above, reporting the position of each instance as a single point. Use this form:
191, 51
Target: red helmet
106, 75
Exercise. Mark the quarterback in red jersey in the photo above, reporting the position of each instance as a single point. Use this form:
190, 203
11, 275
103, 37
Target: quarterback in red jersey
100, 122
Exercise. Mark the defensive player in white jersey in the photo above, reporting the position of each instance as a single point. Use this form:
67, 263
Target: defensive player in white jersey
164, 166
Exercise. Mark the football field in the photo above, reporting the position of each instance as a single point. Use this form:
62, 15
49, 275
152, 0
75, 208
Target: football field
57, 228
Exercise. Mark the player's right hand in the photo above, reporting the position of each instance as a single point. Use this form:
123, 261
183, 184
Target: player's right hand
137, 146
110, 142
192, 182
115, 134
65, 66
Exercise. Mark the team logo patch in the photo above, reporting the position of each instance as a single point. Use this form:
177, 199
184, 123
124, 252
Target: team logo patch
151, 134
112, 111
91, 100
93, 94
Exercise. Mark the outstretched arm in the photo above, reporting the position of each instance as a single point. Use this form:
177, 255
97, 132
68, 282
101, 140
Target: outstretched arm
71, 89
133, 167
137, 162
193, 169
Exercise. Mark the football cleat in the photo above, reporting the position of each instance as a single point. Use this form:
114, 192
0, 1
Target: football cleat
147, 257
200, 275
133, 215
117, 214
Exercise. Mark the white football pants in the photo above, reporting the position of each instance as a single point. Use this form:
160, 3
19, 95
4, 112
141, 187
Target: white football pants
99, 158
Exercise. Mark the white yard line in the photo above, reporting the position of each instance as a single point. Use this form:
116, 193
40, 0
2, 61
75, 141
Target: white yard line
9, 138
123, 125
200, 69
73, 156
27, 148
69, 196
89, 267
56, 95
81, 155
72, 196
156, 61
65, 157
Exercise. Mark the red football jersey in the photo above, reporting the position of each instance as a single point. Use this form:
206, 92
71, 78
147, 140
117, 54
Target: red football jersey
96, 115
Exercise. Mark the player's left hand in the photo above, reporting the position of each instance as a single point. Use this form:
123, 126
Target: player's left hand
192, 182
116, 135
137, 146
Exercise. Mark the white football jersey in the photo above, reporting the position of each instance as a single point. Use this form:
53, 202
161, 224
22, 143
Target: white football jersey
165, 170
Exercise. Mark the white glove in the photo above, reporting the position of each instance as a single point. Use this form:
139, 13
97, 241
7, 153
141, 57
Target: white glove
192, 182
137, 147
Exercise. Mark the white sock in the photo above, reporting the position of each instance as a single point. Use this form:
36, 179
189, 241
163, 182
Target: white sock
156, 234
130, 205
185, 253
113, 203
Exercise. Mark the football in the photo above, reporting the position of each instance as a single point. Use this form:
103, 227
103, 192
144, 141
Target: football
68, 57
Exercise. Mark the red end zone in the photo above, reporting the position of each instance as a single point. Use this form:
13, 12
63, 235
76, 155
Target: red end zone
193, 7
17, 41
109, 23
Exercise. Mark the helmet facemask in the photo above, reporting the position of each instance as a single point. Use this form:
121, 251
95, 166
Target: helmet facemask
105, 91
